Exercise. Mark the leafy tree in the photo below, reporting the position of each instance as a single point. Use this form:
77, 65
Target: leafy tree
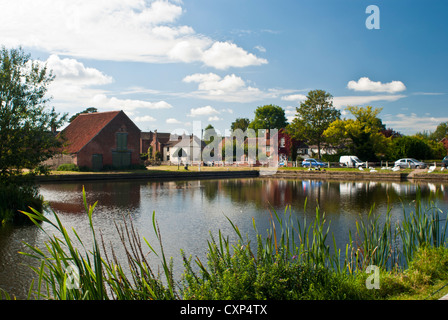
313, 117
268, 117
88, 110
240, 123
26, 131
416, 147
362, 134
26, 125
440, 132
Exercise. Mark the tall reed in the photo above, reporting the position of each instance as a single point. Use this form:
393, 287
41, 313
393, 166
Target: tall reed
98, 276
286, 257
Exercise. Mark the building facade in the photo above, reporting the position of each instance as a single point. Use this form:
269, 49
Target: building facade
102, 139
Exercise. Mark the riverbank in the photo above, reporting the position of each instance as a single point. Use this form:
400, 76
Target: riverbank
175, 173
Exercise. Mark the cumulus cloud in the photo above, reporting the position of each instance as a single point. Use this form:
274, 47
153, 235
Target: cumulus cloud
72, 71
172, 121
223, 55
230, 88
203, 111
365, 84
294, 97
145, 119
134, 30
412, 123
130, 105
342, 102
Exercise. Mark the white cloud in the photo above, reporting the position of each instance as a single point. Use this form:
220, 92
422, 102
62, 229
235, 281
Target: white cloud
290, 113
133, 30
129, 105
260, 48
74, 72
203, 111
145, 119
231, 88
294, 97
223, 55
412, 123
342, 102
214, 118
365, 84
172, 121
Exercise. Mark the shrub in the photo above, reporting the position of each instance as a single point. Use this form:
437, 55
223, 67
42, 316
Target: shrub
68, 167
15, 197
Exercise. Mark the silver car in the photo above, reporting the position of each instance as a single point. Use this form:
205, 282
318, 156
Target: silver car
410, 163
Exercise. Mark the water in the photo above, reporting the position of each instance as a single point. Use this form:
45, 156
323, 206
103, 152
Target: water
188, 211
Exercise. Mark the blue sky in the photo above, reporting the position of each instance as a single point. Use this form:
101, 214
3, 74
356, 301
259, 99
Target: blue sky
170, 63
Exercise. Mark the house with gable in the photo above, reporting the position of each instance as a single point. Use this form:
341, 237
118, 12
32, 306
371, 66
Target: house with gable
97, 140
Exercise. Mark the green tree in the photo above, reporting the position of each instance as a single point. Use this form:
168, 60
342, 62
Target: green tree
88, 110
440, 132
416, 147
26, 130
313, 117
362, 134
268, 117
26, 125
240, 123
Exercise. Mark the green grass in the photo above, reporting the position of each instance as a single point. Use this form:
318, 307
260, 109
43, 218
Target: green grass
292, 260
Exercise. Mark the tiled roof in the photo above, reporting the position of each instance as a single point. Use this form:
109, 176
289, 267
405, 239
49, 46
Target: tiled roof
84, 128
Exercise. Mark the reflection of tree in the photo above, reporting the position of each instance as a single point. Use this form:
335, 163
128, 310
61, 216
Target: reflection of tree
333, 197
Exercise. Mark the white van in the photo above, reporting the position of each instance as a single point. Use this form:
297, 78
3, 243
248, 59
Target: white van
351, 161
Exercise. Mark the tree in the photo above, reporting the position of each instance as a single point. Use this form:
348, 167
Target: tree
240, 123
268, 117
363, 133
88, 110
313, 117
440, 132
26, 124
26, 132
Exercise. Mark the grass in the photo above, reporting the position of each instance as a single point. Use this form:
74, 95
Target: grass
292, 260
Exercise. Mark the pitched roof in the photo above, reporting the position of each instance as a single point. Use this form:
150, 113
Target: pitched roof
84, 128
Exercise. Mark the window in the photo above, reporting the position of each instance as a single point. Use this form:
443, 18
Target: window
282, 142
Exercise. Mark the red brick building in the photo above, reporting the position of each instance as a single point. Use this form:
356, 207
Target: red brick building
96, 140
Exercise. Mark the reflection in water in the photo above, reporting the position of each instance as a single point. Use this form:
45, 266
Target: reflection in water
187, 211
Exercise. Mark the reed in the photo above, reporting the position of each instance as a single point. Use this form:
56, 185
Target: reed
99, 276
291, 260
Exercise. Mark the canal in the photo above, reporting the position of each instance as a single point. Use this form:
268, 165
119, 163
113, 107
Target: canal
188, 211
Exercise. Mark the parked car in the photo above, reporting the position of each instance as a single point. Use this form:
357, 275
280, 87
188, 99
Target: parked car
313, 163
445, 162
351, 161
410, 163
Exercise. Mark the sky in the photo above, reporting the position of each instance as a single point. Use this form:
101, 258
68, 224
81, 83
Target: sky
169, 64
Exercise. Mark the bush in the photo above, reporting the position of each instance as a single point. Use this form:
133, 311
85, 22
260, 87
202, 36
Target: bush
68, 167
241, 276
15, 197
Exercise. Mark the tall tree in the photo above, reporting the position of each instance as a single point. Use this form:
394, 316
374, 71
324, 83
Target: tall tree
440, 132
269, 117
26, 124
240, 123
362, 133
88, 110
313, 117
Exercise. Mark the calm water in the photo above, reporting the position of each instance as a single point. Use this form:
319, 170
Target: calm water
187, 211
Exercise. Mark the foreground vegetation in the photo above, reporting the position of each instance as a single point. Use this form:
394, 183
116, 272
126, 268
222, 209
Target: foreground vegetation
293, 261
